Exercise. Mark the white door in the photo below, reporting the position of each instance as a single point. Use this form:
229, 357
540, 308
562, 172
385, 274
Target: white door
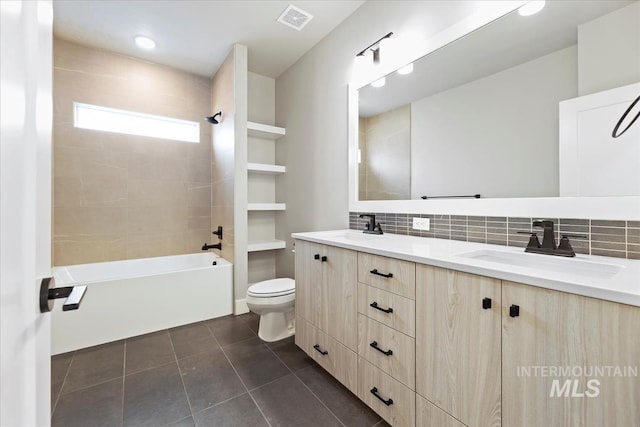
25, 210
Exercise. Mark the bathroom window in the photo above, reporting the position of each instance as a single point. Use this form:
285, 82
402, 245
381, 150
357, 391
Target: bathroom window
95, 117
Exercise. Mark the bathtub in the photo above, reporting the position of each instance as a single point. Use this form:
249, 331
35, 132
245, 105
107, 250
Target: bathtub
134, 297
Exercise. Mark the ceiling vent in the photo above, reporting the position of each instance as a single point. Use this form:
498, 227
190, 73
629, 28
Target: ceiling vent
295, 17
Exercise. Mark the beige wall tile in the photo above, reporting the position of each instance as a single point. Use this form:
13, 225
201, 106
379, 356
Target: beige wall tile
87, 249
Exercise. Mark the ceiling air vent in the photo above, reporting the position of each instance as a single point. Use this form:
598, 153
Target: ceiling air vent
295, 17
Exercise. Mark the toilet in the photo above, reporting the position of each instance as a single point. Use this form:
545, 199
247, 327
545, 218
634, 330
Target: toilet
274, 301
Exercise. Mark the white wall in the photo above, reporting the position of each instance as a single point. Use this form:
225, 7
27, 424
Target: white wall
311, 102
496, 136
609, 50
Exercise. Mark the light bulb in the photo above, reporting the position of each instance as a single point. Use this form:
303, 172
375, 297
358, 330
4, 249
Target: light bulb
531, 8
407, 69
145, 42
379, 82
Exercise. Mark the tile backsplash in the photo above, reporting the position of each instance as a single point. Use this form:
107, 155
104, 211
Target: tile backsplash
619, 239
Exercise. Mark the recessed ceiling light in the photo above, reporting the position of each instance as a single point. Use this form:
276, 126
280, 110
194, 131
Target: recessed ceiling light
379, 82
407, 69
531, 8
145, 42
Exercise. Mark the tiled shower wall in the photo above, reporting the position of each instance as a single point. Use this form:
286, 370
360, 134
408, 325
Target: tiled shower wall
619, 239
119, 196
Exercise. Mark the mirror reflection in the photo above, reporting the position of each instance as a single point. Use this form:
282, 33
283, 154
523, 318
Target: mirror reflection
480, 116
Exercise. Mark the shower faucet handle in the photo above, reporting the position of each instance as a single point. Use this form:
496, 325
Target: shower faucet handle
218, 232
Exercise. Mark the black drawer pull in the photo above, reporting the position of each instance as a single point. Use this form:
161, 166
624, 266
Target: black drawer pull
387, 402
316, 256
514, 310
322, 352
386, 310
386, 353
377, 273
323, 259
486, 303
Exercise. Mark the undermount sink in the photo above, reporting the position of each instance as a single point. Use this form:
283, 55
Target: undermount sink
578, 267
357, 236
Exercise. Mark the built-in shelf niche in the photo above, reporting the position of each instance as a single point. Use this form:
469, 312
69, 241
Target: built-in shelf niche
259, 130
266, 245
266, 206
265, 168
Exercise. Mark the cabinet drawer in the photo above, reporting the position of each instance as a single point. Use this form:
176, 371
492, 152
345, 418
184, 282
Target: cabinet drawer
390, 274
387, 349
429, 415
374, 386
337, 359
387, 308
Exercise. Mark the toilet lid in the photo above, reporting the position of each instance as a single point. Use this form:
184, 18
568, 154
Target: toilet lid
273, 287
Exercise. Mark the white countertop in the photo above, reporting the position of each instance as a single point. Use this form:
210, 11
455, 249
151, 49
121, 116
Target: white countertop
622, 287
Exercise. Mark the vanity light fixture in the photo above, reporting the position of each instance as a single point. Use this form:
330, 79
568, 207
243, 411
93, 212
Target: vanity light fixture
531, 8
379, 83
407, 69
145, 42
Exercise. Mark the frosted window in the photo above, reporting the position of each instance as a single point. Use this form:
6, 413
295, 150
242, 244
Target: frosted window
129, 122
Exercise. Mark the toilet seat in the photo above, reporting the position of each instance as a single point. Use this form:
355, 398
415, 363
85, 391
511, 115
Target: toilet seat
272, 288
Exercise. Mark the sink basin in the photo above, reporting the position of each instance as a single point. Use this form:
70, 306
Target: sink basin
577, 267
356, 236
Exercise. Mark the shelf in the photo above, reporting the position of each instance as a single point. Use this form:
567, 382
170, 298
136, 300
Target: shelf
266, 245
265, 168
259, 130
266, 206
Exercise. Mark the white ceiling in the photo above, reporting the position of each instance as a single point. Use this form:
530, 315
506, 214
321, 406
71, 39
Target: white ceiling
196, 36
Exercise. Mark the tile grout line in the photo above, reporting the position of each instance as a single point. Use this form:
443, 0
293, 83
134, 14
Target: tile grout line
64, 380
184, 387
239, 377
307, 387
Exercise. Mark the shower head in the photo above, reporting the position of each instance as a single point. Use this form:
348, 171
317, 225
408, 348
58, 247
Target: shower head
212, 119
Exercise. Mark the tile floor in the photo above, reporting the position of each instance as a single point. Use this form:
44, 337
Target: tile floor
212, 373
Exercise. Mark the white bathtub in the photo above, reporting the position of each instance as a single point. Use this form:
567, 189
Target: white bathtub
134, 297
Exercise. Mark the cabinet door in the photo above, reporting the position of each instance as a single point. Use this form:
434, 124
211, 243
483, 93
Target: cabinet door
308, 268
552, 352
458, 344
339, 296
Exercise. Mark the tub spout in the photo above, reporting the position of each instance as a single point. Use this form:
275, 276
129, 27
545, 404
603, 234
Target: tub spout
206, 247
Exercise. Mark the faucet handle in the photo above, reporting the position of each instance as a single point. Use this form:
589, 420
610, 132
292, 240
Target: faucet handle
534, 242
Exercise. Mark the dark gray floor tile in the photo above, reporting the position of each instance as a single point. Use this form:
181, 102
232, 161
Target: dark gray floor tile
95, 365
344, 404
155, 397
252, 320
59, 368
148, 351
192, 339
187, 422
209, 379
290, 354
100, 405
240, 411
230, 329
255, 363
287, 402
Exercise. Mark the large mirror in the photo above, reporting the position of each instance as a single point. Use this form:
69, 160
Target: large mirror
479, 117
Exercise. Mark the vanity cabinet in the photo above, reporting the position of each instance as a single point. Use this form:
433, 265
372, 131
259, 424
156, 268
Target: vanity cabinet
458, 317
557, 330
326, 290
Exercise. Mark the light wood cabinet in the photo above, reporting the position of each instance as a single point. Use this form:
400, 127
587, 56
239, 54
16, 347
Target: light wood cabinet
392, 400
429, 415
458, 344
387, 308
556, 331
326, 290
390, 274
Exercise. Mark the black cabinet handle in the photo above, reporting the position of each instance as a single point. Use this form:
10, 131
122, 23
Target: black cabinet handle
323, 259
386, 310
386, 353
317, 347
377, 273
486, 303
316, 256
387, 402
514, 310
